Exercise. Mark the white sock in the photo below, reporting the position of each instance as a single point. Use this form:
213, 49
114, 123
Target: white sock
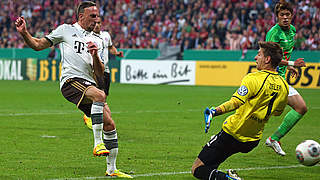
110, 139
111, 160
97, 121
97, 134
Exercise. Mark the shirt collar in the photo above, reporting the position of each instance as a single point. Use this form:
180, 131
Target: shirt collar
80, 28
96, 34
270, 72
284, 29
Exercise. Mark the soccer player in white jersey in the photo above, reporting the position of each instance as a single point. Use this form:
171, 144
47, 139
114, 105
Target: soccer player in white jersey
110, 137
82, 70
104, 56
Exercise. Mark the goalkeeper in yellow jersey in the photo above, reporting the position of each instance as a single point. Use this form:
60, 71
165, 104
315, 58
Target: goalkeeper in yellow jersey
261, 95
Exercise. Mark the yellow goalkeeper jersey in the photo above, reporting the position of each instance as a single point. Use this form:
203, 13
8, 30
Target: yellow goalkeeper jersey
263, 93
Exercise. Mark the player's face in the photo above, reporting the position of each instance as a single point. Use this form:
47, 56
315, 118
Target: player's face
97, 28
89, 18
260, 60
284, 18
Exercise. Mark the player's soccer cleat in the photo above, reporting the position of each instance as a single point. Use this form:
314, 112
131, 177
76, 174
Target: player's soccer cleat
232, 175
119, 174
275, 145
87, 121
100, 150
208, 114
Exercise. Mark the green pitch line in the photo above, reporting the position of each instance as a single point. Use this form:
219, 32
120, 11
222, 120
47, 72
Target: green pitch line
188, 172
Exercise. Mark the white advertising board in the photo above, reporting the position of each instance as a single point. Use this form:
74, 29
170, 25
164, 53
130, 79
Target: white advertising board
157, 72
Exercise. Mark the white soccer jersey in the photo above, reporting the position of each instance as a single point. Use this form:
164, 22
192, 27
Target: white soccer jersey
104, 52
75, 57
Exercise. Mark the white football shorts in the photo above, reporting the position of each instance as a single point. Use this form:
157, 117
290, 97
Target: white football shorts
293, 91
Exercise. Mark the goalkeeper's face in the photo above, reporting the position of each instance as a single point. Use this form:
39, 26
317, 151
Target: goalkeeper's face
261, 60
89, 18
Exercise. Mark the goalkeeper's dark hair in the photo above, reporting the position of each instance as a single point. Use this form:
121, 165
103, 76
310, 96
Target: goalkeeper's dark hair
282, 5
273, 50
83, 5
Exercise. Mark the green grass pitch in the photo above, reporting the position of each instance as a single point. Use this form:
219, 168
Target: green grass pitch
160, 130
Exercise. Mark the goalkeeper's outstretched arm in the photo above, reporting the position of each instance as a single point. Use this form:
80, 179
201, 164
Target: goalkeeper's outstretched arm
228, 106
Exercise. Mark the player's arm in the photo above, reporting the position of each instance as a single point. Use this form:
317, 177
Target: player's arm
34, 43
244, 92
233, 104
228, 106
113, 50
294, 72
297, 63
98, 67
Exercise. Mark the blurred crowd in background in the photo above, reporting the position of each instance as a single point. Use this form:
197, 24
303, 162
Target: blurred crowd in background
189, 24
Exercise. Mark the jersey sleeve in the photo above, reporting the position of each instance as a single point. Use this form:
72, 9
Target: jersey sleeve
230, 105
246, 90
56, 36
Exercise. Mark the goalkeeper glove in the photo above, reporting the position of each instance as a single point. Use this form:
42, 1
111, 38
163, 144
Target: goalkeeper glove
208, 115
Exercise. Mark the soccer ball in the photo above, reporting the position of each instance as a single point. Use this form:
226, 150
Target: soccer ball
308, 152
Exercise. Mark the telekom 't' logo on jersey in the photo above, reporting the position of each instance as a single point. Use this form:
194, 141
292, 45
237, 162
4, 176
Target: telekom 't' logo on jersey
78, 46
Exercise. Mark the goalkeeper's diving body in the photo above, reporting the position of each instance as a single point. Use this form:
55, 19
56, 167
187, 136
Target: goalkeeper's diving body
261, 95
